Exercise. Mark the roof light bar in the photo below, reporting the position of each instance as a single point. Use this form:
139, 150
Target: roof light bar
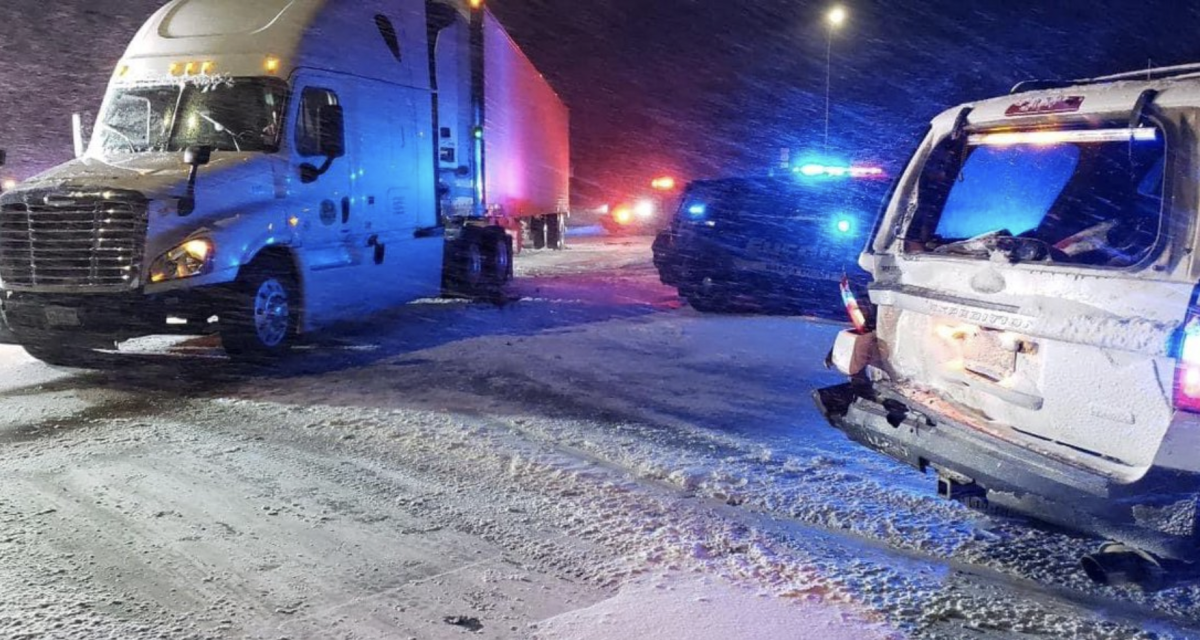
1006, 138
813, 170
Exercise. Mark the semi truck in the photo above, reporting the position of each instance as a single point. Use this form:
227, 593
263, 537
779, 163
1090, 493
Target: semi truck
265, 169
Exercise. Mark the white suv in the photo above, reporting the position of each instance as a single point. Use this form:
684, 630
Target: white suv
1033, 335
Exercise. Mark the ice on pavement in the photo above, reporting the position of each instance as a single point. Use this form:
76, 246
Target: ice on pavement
688, 608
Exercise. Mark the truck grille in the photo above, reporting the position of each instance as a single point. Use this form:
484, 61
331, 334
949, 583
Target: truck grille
72, 243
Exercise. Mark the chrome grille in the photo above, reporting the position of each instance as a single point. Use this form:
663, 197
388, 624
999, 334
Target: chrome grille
72, 244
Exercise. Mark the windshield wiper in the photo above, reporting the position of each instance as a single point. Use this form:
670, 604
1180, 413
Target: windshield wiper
129, 141
223, 129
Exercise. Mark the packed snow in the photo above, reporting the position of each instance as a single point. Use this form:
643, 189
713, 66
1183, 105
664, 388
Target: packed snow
591, 460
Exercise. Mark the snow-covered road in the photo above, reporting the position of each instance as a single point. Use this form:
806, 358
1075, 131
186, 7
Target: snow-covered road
592, 461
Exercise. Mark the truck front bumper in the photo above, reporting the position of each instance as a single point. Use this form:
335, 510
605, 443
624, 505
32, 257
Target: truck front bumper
113, 316
1160, 512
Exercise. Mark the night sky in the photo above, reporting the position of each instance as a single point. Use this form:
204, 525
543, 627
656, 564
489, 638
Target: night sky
691, 87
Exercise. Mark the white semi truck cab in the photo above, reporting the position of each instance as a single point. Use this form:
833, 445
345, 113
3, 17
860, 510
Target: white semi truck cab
264, 169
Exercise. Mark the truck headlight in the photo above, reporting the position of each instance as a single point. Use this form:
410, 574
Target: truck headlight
190, 259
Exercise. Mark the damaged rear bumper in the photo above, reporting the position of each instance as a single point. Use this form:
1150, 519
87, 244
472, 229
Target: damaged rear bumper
1158, 512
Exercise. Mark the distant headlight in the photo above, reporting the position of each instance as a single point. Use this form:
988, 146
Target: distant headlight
190, 259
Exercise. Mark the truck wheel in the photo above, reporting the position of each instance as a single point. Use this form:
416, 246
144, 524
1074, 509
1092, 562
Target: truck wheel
499, 258
467, 266
556, 231
66, 350
262, 320
537, 232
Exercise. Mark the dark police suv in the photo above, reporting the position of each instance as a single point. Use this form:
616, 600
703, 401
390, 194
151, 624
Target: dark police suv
779, 244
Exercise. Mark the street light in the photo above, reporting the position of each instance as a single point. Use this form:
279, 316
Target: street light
835, 19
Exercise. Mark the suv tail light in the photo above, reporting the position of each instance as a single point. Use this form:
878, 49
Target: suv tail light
859, 320
1187, 368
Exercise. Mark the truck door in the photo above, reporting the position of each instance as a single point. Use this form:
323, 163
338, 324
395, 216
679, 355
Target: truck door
323, 203
394, 205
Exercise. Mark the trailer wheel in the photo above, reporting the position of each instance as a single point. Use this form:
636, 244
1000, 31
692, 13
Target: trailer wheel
261, 322
556, 231
537, 232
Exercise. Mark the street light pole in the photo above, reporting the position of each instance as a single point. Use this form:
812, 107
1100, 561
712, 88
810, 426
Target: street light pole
835, 19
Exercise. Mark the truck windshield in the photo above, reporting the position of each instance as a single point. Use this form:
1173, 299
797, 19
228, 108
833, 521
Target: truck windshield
1088, 197
241, 114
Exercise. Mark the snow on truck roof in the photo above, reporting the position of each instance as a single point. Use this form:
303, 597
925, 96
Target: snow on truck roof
1066, 102
275, 37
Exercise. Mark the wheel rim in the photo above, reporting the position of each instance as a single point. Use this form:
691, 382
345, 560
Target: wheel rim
272, 315
474, 264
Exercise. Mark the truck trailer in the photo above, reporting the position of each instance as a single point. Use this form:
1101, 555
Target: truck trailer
262, 170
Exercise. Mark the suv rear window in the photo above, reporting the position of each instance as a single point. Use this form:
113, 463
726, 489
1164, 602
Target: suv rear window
1087, 197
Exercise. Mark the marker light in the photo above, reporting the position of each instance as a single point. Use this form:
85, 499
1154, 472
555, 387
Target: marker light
844, 225
665, 183
271, 65
1187, 369
191, 68
475, 4
175, 68
8, 185
1005, 138
623, 215
857, 317
697, 210
207, 67
122, 71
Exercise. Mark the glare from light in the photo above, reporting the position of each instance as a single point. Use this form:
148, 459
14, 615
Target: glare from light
623, 216
1006, 138
844, 225
644, 209
812, 170
8, 185
197, 249
837, 16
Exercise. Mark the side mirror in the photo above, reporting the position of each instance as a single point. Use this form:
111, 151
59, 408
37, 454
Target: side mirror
333, 130
194, 157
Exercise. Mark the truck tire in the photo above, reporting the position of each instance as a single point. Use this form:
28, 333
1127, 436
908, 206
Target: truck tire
537, 232
556, 231
71, 351
467, 271
261, 321
498, 257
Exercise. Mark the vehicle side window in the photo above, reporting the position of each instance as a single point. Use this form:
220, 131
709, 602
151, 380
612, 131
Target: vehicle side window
308, 121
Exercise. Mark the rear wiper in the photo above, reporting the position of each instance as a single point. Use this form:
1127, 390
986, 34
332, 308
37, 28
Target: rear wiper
981, 245
1013, 248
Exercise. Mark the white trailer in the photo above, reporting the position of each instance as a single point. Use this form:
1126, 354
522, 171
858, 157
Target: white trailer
264, 169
